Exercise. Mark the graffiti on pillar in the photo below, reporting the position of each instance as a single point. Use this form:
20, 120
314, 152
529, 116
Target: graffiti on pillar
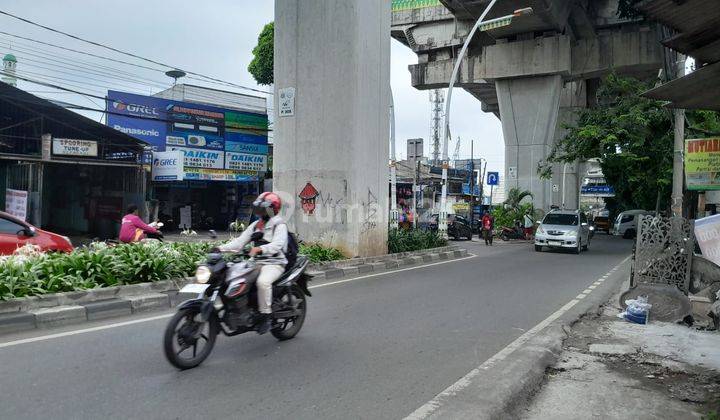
370, 212
307, 198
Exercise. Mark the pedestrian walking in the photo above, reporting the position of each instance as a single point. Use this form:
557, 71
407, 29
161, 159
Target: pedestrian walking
488, 224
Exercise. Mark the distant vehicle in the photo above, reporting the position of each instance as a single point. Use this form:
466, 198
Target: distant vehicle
14, 233
457, 226
567, 229
626, 223
603, 223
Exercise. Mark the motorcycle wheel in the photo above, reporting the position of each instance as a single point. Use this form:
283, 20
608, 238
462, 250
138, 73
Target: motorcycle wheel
183, 336
504, 236
287, 328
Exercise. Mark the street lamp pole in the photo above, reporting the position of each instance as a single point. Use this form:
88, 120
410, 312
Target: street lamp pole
563, 185
490, 24
393, 174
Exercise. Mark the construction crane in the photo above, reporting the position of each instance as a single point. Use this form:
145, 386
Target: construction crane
456, 154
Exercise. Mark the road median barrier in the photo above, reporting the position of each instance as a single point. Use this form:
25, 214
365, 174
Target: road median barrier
51, 310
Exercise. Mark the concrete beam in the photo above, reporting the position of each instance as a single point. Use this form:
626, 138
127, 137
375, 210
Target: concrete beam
628, 53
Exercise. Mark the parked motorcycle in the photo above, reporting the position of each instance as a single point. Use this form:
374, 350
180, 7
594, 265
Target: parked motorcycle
508, 233
227, 302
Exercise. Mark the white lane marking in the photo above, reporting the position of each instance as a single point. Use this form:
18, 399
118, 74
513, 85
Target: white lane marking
332, 283
155, 318
83, 331
592, 286
440, 399
581, 296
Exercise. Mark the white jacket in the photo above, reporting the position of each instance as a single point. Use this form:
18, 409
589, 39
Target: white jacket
275, 233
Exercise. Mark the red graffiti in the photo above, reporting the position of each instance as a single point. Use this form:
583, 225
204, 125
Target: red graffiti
307, 197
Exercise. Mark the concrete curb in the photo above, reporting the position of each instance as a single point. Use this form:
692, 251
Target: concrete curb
58, 309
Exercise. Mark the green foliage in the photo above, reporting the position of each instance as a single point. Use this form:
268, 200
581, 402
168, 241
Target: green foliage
506, 216
261, 66
632, 137
98, 266
319, 253
515, 196
404, 240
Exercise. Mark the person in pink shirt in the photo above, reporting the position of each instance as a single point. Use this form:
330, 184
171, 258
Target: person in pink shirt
133, 229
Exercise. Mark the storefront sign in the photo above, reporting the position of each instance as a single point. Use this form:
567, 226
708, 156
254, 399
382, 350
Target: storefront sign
208, 174
245, 162
702, 164
72, 147
258, 149
707, 232
16, 203
199, 158
167, 166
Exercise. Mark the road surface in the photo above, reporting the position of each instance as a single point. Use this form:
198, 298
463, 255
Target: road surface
377, 347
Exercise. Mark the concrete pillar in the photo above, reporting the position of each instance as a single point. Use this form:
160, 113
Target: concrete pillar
333, 149
573, 97
529, 113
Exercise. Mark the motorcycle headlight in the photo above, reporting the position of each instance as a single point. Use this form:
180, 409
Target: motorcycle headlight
202, 274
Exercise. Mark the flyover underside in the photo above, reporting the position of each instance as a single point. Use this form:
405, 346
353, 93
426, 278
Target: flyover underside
532, 74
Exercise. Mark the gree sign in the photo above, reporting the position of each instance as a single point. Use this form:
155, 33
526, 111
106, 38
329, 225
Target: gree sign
167, 166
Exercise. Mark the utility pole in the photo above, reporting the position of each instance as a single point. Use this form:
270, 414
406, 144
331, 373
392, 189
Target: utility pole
678, 150
394, 216
472, 180
416, 185
436, 102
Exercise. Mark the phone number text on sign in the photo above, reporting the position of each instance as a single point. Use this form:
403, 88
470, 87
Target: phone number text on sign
245, 162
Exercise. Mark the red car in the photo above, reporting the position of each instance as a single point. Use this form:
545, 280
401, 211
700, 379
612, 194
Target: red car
15, 233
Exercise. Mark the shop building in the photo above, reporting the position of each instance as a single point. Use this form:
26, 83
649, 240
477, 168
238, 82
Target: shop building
62, 171
210, 151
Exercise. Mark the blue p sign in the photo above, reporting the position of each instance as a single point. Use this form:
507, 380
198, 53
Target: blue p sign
493, 178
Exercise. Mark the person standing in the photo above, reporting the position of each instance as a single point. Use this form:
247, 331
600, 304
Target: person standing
488, 223
528, 224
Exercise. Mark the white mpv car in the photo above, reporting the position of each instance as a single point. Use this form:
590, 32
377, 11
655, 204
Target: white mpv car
563, 229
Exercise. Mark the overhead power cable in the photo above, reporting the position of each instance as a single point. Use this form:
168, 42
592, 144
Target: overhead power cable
129, 54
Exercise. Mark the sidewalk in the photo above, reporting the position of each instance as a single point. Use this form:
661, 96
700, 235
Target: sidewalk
612, 369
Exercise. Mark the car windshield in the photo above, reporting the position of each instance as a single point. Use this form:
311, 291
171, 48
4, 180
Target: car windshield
561, 219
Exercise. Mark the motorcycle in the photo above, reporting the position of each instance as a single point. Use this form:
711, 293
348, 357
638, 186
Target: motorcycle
508, 233
227, 302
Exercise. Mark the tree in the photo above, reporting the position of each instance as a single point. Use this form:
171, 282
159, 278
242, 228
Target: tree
633, 138
515, 196
261, 66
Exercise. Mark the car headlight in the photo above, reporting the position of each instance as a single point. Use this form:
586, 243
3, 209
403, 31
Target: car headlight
203, 274
540, 230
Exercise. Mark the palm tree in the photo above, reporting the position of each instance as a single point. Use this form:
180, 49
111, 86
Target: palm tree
515, 196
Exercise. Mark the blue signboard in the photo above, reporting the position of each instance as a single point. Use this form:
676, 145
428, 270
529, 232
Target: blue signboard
466, 189
206, 135
493, 178
598, 190
163, 122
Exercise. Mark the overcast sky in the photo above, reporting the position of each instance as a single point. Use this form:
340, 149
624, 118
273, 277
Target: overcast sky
214, 38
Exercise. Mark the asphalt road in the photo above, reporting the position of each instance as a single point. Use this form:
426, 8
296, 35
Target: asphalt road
373, 348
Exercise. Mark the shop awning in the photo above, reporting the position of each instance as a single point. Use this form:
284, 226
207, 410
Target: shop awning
25, 117
698, 90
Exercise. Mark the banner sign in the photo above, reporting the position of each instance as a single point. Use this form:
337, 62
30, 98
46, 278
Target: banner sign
196, 158
205, 174
202, 132
707, 232
167, 166
16, 203
702, 164
259, 149
72, 147
245, 162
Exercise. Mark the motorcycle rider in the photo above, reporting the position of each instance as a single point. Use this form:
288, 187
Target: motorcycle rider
273, 261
